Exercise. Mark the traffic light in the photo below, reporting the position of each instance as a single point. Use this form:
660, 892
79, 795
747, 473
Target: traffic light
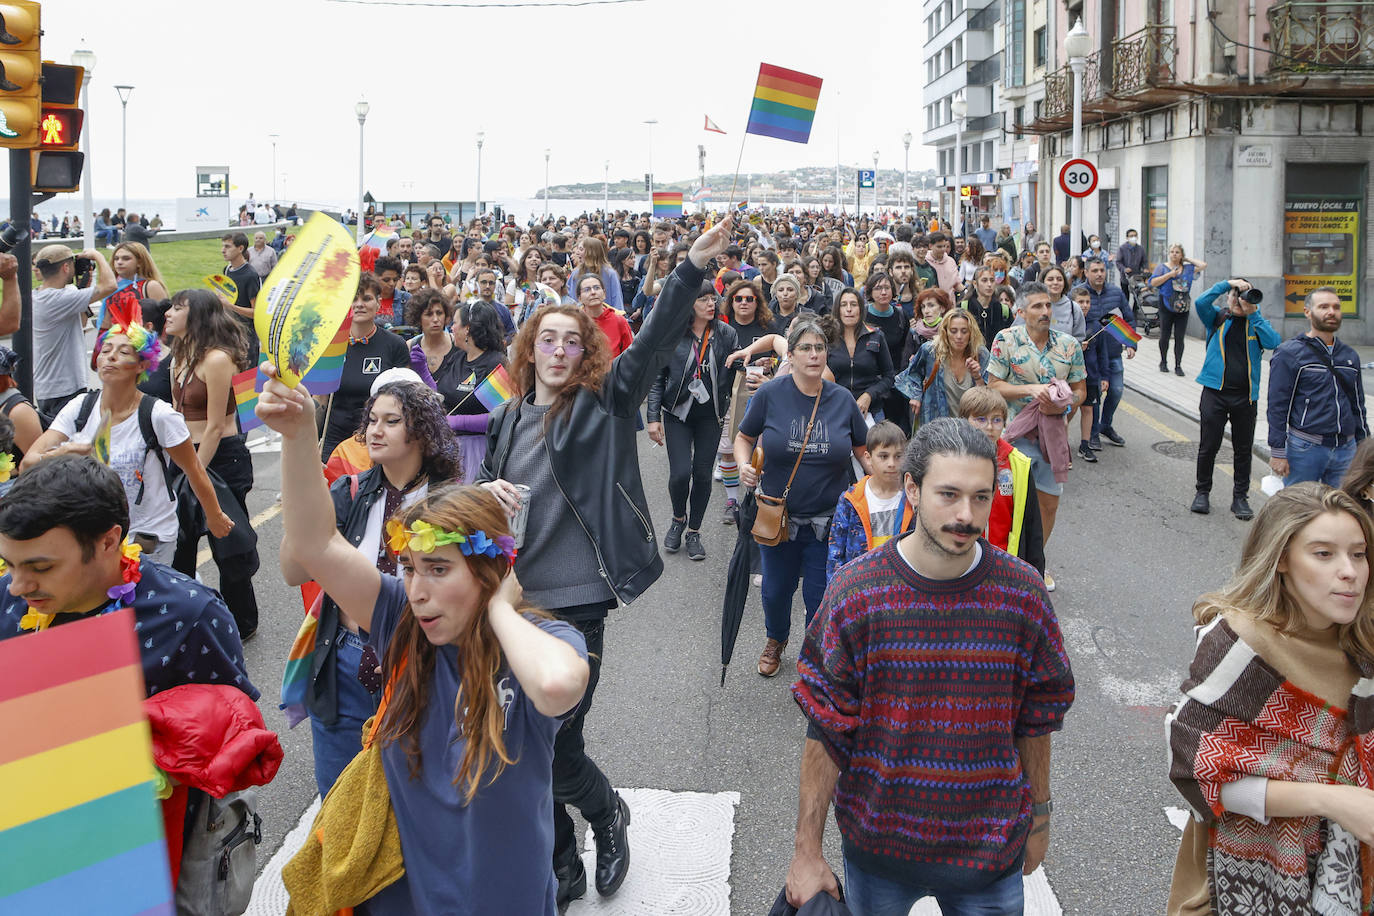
20, 69
57, 171
60, 125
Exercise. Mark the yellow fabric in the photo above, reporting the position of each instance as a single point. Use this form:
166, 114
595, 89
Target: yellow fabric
1020, 474
354, 850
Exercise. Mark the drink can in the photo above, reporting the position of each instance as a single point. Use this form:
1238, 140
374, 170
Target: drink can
522, 515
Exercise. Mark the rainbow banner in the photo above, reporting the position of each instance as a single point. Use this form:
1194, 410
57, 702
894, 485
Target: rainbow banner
323, 378
1118, 328
80, 829
667, 204
784, 104
496, 389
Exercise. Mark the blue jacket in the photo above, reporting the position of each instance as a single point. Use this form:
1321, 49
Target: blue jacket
1103, 303
935, 400
1166, 290
1259, 336
1305, 397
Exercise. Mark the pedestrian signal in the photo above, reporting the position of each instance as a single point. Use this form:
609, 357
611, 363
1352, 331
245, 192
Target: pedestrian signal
20, 70
61, 116
57, 171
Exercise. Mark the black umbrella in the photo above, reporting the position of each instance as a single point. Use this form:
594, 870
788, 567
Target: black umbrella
737, 581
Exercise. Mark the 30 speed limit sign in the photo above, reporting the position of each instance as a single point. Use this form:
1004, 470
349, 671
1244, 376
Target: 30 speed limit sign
1078, 178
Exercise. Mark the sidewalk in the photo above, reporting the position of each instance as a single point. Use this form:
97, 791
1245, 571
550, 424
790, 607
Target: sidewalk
1181, 394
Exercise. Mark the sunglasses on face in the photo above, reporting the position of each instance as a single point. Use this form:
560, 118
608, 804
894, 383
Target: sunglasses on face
746, 299
549, 347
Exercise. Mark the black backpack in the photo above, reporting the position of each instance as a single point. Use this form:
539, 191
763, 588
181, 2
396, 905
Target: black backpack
145, 426
13, 398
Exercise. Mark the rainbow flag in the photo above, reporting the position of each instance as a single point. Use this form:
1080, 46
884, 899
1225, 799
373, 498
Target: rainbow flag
323, 378
80, 829
496, 389
667, 204
1118, 328
295, 678
784, 104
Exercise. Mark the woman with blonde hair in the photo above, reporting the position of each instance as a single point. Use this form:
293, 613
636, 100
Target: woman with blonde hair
1272, 744
596, 263
1174, 280
954, 361
476, 681
136, 277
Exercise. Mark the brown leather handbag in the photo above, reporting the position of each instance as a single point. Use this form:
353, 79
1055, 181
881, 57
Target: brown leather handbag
771, 522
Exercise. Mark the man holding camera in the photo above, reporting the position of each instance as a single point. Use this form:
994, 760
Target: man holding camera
1237, 335
59, 322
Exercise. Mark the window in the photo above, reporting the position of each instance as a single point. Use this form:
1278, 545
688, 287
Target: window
1018, 120
989, 163
1042, 48
1038, 104
1016, 43
959, 50
1155, 207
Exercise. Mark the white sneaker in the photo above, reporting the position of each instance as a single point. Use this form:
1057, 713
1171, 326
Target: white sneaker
1049, 582
757, 579
716, 475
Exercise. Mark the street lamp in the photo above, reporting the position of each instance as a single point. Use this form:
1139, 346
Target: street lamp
606, 191
546, 183
875, 183
959, 108
651, 122
1077, 45
481, 138
274, 138
906, 167
124, 93
83, 57
361, 109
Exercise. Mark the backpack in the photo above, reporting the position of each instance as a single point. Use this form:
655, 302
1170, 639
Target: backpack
13, 398
145, 426
219, 854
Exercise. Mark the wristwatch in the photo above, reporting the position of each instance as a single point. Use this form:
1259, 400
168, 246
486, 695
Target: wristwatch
1042, 808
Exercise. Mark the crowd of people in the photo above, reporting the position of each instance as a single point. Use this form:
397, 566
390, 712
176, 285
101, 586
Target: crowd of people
448, 677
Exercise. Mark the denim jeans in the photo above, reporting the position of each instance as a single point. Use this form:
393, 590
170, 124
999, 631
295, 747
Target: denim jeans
869, 895
336, 745
1116, 381
1310, 461
800, 558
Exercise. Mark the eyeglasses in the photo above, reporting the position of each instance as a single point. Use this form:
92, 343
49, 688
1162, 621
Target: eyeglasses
746, 299
809, 348
988, 421
549, 347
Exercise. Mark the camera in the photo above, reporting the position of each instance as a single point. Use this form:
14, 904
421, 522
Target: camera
1252, 296
85, 270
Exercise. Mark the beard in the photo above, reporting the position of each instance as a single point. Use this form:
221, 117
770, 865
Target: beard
931, 539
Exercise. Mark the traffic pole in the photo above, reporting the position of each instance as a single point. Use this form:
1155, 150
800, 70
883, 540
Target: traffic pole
21, 204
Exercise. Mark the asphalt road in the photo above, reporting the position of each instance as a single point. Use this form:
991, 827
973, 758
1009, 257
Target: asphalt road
1129, 560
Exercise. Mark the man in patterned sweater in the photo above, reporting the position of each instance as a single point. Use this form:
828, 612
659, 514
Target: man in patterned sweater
932, 677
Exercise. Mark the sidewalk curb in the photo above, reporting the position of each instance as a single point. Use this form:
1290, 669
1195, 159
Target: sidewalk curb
1260, 449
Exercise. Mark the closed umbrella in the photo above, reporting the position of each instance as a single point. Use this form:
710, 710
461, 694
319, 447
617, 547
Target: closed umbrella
738, 574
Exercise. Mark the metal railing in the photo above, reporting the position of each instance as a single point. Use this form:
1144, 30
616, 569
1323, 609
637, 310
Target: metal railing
1145, 60
1313, 36
1059, 89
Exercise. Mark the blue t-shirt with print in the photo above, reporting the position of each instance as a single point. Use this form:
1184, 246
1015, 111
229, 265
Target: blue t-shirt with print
777, 418
495, 854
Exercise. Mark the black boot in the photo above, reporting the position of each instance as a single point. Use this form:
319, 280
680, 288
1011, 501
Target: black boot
1178, 369
1240, 508
1201, 504
613, 850
572, 878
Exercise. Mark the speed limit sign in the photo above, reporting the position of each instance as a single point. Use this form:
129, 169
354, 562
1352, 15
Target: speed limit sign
1078, 178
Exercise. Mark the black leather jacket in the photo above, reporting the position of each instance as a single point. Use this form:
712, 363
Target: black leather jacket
674, 378
593, 448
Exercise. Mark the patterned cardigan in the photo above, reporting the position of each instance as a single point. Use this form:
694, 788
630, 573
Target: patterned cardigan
1240, 717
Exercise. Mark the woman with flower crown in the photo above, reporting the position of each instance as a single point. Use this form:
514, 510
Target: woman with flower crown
412, 449
475, 682
111, 430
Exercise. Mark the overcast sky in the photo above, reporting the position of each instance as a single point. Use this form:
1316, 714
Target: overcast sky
214, 80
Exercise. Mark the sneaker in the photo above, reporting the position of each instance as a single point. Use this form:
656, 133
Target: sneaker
1113, 437
694, 549
716, 474
731, 514
1095, 444
770, 660
1201, 504
756, 580
1086, 453
1049, 582
1163, 366
1178, 370
672, 540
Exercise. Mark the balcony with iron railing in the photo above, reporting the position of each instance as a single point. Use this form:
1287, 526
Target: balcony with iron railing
1145, 60
1315, 37
1137, 70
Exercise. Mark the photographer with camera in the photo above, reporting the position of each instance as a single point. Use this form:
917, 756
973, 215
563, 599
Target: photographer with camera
1237, 335
59, 322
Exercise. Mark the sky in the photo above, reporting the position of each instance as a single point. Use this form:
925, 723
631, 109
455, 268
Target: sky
213, 81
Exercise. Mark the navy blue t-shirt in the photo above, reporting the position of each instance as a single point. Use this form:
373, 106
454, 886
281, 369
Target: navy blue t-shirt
494, 855
777, 418
186, 635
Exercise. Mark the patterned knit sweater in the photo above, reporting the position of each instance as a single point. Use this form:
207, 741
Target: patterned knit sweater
918, 689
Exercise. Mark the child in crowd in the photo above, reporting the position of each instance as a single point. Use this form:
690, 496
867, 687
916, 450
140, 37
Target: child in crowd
1014, 524
1094, 360
875, 509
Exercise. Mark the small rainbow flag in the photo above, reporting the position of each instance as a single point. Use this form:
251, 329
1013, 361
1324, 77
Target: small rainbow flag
80, 829
1118, 328
323, 378
784, 104
667, 203
701, 194
496, 389
742, 206
296, 677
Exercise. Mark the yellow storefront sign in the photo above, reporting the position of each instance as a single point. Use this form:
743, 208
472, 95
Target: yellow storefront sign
1321, 247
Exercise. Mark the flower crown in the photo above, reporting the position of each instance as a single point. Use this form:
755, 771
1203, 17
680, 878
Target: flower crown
423, 537
145, 343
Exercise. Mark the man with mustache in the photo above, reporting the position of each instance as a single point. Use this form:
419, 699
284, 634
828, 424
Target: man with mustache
944, 603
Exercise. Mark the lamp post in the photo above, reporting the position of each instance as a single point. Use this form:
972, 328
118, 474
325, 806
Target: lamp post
795, 185
606, 191
1077, 45
83, 57
546, 183
651, 122
875, 183
481, 138
124, 93
906, 167
274, 138
959, 108
361, 109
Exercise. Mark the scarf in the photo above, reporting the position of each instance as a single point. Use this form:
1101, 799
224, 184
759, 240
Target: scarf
1239, 717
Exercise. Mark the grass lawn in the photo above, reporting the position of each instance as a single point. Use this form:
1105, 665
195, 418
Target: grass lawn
184, 264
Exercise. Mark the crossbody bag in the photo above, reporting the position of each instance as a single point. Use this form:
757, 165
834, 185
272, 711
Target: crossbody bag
771, 523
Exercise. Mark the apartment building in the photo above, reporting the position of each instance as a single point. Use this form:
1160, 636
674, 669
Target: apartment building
1242, 130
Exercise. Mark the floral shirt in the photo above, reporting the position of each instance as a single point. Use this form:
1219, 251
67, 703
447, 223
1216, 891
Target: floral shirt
1016, 359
